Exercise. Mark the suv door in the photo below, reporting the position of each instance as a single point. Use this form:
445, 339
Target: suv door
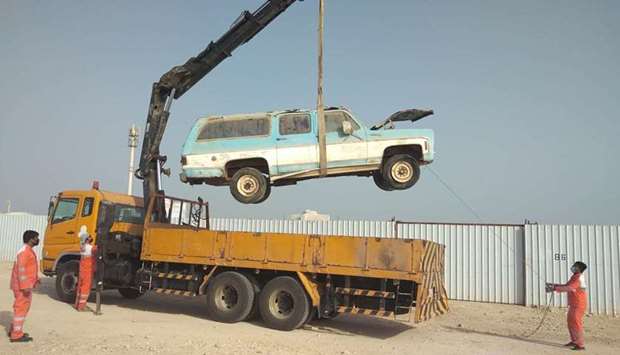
344, 149
296, 143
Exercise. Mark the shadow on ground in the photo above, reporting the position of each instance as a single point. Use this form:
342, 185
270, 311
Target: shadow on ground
6, 318
345, 325
512, 337
351, 325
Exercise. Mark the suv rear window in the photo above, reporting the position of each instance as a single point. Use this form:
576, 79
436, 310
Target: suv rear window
294, 123
220, 129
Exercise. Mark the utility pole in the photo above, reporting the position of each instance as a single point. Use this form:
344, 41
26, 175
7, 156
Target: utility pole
133, 143
320, 113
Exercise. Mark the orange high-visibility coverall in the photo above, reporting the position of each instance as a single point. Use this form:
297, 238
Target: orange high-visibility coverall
85, 279
577, 304
24, 278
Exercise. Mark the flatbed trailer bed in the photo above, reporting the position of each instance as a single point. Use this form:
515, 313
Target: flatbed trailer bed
373, 276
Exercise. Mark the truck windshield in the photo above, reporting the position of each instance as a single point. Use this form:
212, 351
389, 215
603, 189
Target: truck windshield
129, 214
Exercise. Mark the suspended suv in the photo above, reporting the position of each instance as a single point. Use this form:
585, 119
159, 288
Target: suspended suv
253, 152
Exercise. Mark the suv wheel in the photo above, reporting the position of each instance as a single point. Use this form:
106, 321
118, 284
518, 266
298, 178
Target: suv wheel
248, 185
267, 193
380, 182
400, 171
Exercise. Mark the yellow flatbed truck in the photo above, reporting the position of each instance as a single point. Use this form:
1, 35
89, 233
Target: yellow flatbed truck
170, 249
286, 278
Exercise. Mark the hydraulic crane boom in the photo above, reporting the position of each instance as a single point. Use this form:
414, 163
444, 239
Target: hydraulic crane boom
176, 82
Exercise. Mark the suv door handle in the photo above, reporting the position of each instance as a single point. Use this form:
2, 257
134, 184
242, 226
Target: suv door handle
280, 139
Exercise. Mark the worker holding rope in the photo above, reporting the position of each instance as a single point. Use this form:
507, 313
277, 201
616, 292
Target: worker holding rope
577, 304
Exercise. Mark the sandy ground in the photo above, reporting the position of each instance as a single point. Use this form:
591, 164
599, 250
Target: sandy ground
175, 325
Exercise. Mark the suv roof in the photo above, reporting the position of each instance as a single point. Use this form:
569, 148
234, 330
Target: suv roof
267, 113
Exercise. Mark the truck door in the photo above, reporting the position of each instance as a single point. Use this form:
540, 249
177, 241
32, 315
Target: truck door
296, 142
344, 149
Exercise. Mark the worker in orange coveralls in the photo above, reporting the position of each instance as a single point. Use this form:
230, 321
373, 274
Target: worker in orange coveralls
24, 278
87, 263
577, 304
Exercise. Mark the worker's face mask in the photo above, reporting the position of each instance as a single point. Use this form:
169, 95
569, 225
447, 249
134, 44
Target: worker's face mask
35, 241
574, 269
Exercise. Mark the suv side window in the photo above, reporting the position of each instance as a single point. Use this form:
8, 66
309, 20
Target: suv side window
65, 210
87, 210
334, 119
246, 127
295, 123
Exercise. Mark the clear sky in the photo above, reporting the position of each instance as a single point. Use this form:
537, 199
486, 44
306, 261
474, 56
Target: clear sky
526, 95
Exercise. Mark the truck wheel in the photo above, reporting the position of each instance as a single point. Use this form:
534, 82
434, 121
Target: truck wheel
256, 287
230, 297
283, 304
66, 281
380, 182
248, 185
401, 171
130, 293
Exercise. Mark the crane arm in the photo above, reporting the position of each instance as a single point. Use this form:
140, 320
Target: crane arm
176, 82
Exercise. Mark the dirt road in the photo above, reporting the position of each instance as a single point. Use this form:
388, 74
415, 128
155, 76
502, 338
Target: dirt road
173, 325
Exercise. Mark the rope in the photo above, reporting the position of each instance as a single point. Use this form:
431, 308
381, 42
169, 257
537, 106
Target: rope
546, 311
475, 214
547, 308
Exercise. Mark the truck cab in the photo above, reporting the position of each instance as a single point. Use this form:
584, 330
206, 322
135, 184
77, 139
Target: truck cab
68, 211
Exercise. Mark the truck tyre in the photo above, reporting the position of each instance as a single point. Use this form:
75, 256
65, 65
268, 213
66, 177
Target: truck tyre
256, 287
66, 280
230, 297
248, 185
400, 171
129, 293
380, 182
283, 304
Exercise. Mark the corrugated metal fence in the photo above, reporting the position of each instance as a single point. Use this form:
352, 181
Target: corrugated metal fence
552, 249
12, 227
485, 263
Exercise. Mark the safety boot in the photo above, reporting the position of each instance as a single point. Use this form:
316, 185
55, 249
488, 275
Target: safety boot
24, 339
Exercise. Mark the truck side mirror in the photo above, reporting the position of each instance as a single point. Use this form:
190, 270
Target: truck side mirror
50, 207
347, 128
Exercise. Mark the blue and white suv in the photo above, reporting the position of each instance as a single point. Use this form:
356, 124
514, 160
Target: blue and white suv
252, 152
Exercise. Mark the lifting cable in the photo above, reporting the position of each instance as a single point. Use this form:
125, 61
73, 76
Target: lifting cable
550, 299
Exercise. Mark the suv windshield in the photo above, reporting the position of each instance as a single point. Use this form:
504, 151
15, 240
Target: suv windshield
129, 214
